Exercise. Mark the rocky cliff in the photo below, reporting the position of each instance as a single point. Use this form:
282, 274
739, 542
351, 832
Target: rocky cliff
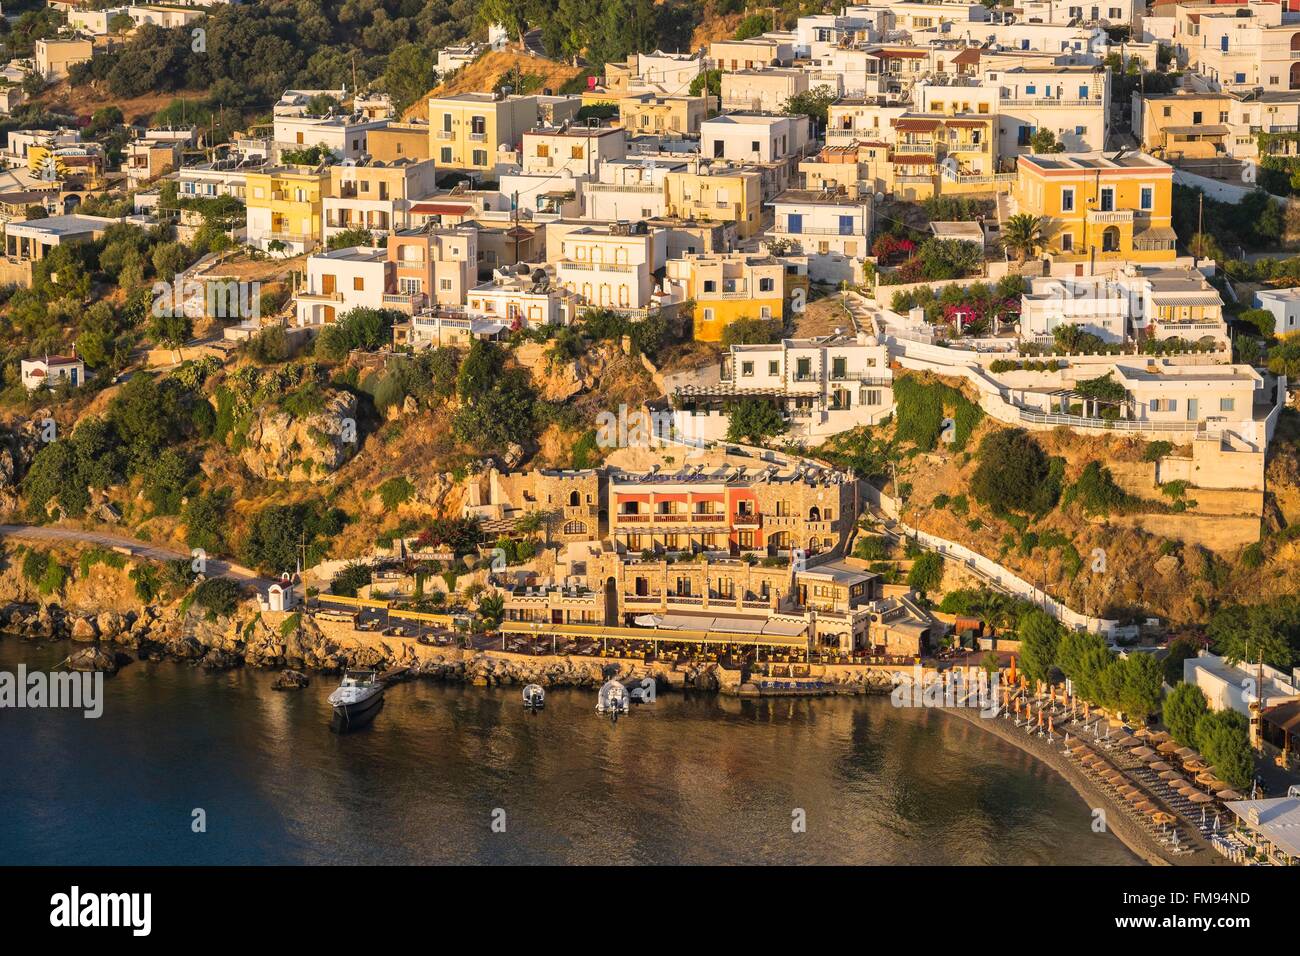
287, 447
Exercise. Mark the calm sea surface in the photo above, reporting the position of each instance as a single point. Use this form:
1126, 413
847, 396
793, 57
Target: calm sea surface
689, 779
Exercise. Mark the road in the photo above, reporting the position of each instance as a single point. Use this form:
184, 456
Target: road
143, 549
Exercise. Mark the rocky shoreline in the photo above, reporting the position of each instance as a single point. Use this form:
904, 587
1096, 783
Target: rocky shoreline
111, 640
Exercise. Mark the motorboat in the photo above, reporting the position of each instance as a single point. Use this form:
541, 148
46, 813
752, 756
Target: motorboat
357, 699
613, 700
534, 697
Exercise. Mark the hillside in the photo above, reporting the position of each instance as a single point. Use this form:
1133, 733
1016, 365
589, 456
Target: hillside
1142, 552
485, 72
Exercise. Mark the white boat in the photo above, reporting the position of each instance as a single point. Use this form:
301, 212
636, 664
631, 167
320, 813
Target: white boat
613, 699
357, 699
534, 697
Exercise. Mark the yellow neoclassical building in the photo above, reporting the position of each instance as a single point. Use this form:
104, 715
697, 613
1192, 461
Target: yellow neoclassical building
726, 286
1100, 208
284, 205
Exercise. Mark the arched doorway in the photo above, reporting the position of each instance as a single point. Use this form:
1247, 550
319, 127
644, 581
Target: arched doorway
1295, 75
778, 543
1110, 239
611, 603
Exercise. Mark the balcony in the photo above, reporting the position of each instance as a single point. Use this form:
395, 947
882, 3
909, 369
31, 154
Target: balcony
746, 520
1097, 217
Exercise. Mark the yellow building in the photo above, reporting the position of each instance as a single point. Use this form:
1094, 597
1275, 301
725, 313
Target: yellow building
1099, 208
467, 130
284, 205
1185, 125
651, 114
726, 286
399, 141
727, 195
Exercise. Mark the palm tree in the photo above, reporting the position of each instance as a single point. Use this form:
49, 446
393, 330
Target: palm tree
1023, 235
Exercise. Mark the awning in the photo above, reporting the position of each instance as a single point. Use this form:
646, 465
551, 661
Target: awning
1183, 298
1285, 716
440, 209
1164, 233
969, 124
1198, 130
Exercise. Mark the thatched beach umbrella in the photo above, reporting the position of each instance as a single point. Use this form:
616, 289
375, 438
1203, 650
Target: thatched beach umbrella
1162, 818
1199, 797
1127, 741
1195, 766
1146, 806
1160, 765
1228, 795
1188, 753
1170, 775
1143, 752
1168, 747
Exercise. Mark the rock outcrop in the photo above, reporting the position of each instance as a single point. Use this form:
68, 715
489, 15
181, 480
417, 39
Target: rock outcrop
287, 447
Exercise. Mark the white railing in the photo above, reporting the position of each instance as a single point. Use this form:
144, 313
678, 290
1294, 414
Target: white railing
1119, 424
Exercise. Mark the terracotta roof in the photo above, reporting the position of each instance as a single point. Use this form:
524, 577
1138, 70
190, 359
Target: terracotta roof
970, 55
910, 125
914, 159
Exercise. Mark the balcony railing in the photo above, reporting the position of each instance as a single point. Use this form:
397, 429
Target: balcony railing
1110, 216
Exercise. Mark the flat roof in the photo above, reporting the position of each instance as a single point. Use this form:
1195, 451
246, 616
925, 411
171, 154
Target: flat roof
355, 254
1095, 161
1276, 819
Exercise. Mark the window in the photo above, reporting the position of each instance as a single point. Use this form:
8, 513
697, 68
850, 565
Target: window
1067, 199
576, 152
358, 284
753, 146
1080, 130
1067, 242
1083, 92
1168, 111
446, 154
839, 367
708, 315
1108, 199
710, 285
543, 150
747, 369
846, 225
794, 222
1241, 78
1148, 198
766, 285
1227, 404
803, 370
774, 368
1196, 117
1223, 43
1164, 405
480, 157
